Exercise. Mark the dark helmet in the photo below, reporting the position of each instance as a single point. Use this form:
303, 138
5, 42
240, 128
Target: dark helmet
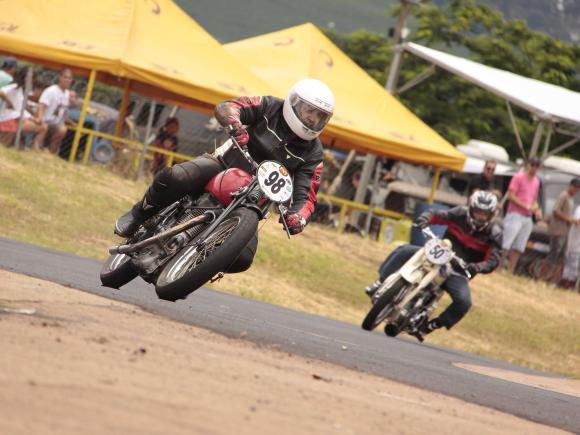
483, 203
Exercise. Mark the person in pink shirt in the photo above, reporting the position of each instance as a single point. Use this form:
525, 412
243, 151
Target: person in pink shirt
523, 205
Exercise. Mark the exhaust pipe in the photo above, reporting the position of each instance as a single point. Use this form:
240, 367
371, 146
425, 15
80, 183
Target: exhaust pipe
391, 330
207, 217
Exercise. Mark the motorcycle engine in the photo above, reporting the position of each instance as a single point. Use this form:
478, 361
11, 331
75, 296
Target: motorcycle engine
149, 259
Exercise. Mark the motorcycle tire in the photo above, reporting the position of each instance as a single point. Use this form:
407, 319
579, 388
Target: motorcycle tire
191, 268
378, 311
117, 271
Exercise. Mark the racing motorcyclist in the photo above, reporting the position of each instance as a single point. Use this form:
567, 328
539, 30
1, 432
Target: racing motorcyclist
476, 238
272, 129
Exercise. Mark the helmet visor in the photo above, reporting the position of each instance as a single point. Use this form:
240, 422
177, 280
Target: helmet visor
311, 116
480, 217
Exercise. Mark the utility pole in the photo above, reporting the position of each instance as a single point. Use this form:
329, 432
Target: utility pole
390, 86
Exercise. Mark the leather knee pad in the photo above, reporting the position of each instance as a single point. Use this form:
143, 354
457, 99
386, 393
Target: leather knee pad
170, 184
246, 257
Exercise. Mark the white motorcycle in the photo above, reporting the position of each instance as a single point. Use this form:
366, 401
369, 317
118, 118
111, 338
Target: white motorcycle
407, 297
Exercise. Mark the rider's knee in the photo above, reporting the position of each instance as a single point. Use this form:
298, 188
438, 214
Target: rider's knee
463, 303
169, 178
246, 257
179, 175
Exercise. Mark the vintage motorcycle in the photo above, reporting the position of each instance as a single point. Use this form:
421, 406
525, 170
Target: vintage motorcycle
195, 240
407, 297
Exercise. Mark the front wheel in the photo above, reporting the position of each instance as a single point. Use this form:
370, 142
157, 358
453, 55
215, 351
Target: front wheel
117, 271
194, 265
382, 306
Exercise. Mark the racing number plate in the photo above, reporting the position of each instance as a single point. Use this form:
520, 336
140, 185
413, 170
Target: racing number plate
275, 181
436, 252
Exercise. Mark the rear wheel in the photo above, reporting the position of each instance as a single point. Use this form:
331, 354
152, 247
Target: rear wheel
117, 271
382, 306
194, 266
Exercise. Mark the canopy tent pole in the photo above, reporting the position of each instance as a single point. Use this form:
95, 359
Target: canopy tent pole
563, 131
395, 67
515, 127
390, 86
83, 115
26, 90
338, 179
373, 199
537, 138
418, 79
123, 108
548, 139
174, 110
365, 177
563, 146
146, 140
434, 185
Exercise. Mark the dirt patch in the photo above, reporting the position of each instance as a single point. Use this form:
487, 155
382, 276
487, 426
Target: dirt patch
77, 363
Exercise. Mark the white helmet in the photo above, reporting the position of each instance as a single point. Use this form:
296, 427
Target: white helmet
308, 108
485, 204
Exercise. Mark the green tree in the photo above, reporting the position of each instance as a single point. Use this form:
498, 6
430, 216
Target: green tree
459, 110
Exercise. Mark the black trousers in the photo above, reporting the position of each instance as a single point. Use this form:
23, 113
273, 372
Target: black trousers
190, 177
170, 184
456, 286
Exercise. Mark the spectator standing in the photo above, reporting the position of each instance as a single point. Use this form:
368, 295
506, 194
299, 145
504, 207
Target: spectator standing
8, 70
13, 97
561, 221
166, 139
522, 208
53, 104
572, 266
486, 180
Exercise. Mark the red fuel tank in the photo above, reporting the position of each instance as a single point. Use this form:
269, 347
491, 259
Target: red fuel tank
226, 182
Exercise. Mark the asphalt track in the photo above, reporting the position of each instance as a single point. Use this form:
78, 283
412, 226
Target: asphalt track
422, 365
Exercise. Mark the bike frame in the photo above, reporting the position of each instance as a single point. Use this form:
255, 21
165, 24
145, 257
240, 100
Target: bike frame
214, 219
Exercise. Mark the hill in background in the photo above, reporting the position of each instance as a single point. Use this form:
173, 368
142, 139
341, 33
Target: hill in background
229, 21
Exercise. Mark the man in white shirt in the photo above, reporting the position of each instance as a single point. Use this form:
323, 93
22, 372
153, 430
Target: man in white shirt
53, 104
7, 72
13, 97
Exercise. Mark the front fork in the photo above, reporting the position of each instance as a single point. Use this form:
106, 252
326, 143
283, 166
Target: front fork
429, 284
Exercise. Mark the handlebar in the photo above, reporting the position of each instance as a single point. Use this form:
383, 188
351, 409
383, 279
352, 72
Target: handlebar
427, 232
230, 130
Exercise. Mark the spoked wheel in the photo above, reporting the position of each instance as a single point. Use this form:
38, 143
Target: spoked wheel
382, 306
117, 271
194, 265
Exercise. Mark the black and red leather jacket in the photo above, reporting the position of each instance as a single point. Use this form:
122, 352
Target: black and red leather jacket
272, 139
482, 248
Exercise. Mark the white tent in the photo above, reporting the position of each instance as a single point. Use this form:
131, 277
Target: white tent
551, 104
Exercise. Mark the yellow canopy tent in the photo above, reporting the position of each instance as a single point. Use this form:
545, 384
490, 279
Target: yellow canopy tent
367, 117
148, 46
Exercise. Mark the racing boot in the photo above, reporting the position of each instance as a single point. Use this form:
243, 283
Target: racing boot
427, 327
129, 223
371, 289
430, 326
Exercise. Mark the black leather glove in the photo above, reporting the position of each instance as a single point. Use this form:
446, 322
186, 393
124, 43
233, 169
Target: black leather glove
421, 222
473, 269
